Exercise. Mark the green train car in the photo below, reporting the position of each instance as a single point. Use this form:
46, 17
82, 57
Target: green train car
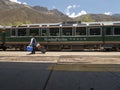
63, 36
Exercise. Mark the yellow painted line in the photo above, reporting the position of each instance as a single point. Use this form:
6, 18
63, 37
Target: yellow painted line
87, 67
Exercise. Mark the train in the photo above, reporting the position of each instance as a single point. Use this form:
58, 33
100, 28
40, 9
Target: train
64, 36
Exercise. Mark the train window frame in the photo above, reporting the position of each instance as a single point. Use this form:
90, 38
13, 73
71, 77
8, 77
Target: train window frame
81, 34
11, 34
67, 34
89, 33
46, 33
114, 31
36, 34
55, 35
25, 30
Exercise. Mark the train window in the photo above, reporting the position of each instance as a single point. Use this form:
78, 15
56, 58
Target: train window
108, 31
67, 31
34, 31
44, 32
81, 31
117, 31
95, 31
54, 31
21, 32
13, 32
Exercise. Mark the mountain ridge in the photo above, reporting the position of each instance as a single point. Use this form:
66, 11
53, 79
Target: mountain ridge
12, 13
97, 17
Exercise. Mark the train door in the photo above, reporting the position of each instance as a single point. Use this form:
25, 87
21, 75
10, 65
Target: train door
3, 38
0, 39
44, 32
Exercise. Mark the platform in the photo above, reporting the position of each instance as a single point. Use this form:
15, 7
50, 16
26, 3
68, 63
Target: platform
61, 57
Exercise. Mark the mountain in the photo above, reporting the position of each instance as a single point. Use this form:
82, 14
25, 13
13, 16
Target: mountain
11, 13
56, 15
116, 15
96, 18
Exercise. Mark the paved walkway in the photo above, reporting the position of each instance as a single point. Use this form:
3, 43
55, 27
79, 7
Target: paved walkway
60, 71
24, 53
61, 57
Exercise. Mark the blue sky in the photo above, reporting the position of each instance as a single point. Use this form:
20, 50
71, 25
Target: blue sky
75, 8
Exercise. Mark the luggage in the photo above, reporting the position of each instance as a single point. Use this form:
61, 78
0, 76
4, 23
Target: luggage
42, 49
29, 48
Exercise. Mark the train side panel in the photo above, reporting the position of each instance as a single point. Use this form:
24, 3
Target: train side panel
64, 37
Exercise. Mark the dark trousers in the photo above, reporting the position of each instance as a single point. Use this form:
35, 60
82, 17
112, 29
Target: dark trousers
33, 51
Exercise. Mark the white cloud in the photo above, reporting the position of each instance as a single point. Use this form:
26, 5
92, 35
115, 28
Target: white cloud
73, 14
69, 7
24, 3
16, 1
53, 7
108, 13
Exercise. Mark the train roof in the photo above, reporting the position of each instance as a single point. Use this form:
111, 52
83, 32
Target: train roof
107, 23
103, 23
42, 24
5, 26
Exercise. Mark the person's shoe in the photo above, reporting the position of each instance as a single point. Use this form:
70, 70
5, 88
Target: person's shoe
29, 53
